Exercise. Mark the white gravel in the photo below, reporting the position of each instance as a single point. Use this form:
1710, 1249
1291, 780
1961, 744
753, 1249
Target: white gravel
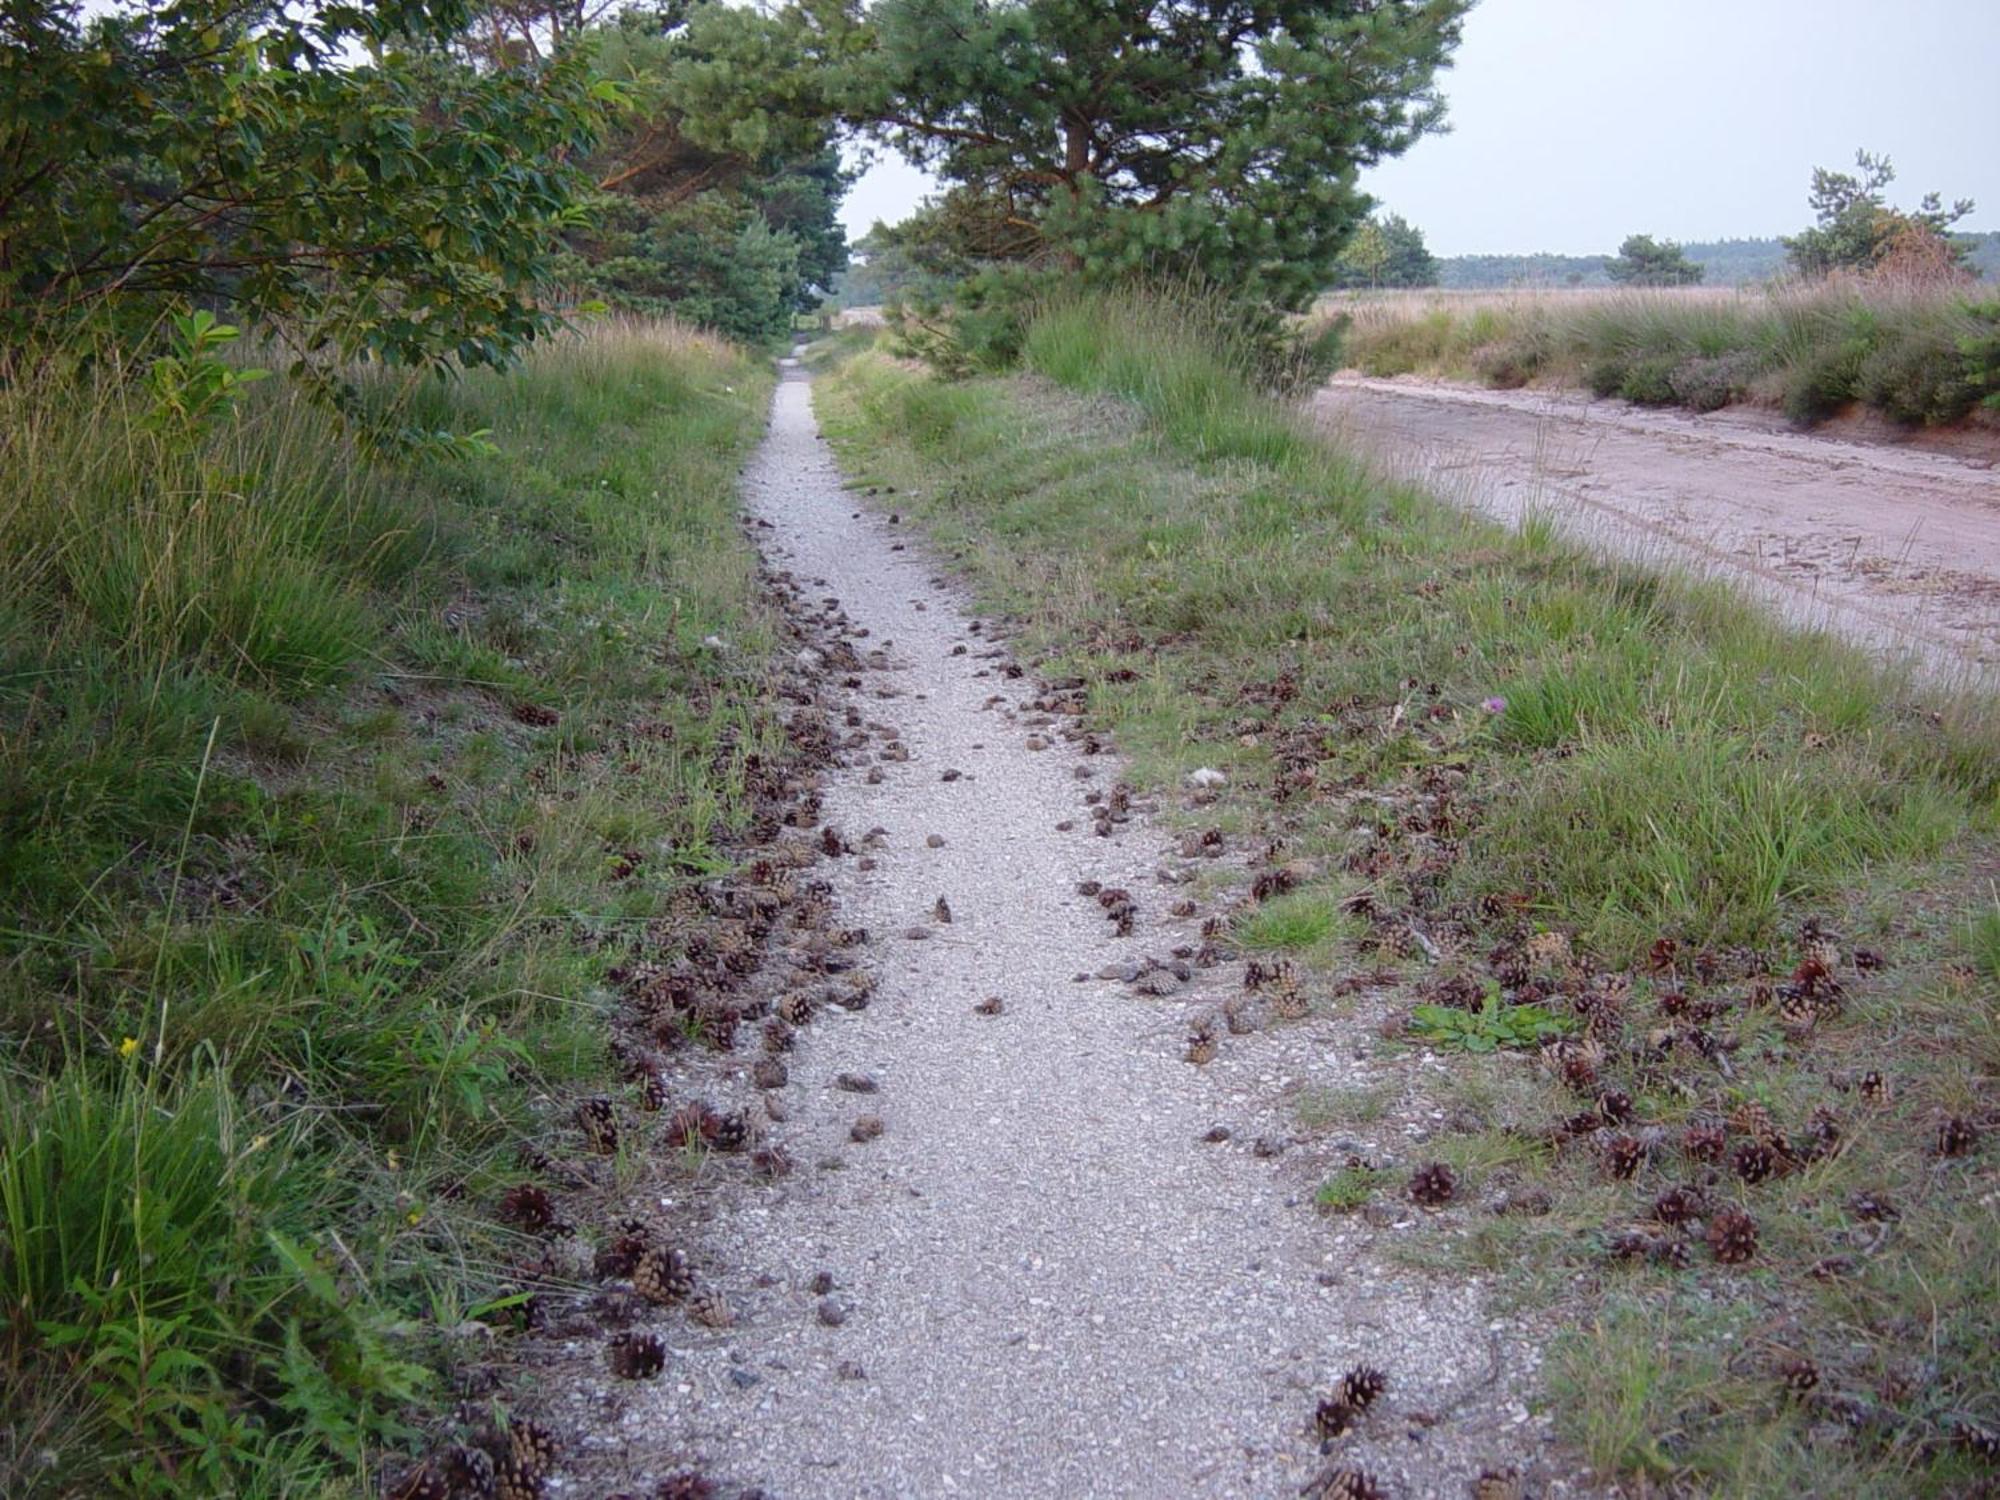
1050, 1285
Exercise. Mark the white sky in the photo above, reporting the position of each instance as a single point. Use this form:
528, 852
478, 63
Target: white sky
1578, 122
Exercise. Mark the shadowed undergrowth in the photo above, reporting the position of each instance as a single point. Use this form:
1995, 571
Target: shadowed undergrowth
324, 782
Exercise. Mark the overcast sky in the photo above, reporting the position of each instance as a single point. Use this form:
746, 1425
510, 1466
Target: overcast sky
1577, 122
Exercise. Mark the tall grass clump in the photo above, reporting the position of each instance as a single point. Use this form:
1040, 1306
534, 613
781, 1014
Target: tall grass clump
290, 959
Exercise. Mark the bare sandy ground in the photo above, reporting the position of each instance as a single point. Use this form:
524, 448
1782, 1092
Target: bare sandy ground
1891, 546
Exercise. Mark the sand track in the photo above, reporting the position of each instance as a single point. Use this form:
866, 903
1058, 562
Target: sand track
1892, 546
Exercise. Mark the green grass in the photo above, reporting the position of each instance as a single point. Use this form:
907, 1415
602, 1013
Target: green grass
307, 909
1493, 735
1920, 358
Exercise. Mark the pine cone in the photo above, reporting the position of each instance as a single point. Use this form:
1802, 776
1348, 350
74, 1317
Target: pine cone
1754, 1161
1798, 1375
1754, 1120
1288, 1001
636, 1356
652, 1090
1579, 1073
1332, 1418
533, 1448
1732, 1236
600, 1125
796, 1008
778, 1035
663, 1275
1498, 1484
711, 1308
1957, 1136
771, 1161
1202, 1044
1624, 1155
1672, 1255
1342, 1482
1615, 1105
769, 1073
424, 1482
620, 1257
512, 1480
731, 1132
686, 1485
1433, 1185
1361, 1385
1875, 1087
469, 1472
1704, 1141
529, 1206
1677, 1205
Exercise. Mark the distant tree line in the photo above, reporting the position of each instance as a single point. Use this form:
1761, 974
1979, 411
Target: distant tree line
1854, 229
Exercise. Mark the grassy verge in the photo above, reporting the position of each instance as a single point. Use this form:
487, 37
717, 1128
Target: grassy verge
1744, 877
328, 789
1919, 358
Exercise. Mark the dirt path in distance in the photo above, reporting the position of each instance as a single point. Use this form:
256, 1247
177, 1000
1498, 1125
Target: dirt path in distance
1894, 547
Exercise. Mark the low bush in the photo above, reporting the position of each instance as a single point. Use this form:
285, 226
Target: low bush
1921, 358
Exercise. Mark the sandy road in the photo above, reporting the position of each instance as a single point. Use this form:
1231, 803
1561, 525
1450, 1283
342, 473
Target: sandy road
1893, 547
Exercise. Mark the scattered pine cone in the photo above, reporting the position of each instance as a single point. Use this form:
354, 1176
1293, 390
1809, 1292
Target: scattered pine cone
731, 1132
1704, 1141
423, 1482
686, 1485
1957, 1136
1624, 1155
600, 1125
1754, 1161
1333, 1418
711, 1308
1503, 1483
1615, 1105
1732, 1236
778, 1035
468, 1470
1875, 1088
529, 1206
1202, 1043
1360, 1386
634, 1355
771, 1161
652, 1091
533, 1448
1579, 1072
1677, 1205
663, 1275
1798, 1376
796, 1008
1432, 1185
513, 1480
1343, 1482
620, 1257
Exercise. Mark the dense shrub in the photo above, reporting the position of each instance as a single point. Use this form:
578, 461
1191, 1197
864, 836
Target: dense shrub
1709, 384
1649, 380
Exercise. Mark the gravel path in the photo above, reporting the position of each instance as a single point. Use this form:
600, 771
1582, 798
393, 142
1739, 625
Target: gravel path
1894, 547
1044, 1282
